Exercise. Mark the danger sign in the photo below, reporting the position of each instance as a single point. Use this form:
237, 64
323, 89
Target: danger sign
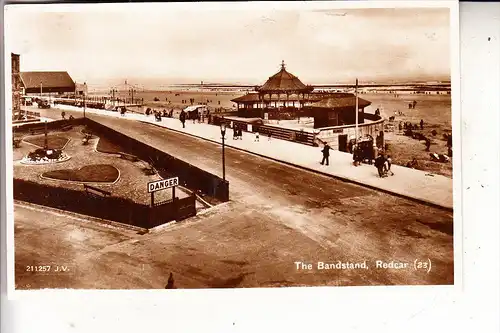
163, 184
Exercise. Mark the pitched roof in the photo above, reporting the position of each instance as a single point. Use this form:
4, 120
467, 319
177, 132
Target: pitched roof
283, 81
340, 101
50, 81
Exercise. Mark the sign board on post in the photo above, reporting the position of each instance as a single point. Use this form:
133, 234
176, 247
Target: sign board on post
162, 184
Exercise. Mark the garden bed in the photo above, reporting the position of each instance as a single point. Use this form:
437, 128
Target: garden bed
106, 146
42, 156
96, 173
53, 141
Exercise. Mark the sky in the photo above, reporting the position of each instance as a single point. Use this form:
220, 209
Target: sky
188, 45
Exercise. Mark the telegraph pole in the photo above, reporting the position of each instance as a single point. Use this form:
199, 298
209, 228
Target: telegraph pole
357, 107
84, 98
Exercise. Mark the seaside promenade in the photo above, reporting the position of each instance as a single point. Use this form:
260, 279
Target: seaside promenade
415, 184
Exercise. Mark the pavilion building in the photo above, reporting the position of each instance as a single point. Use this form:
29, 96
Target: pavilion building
284, 96
281, 92
47, 82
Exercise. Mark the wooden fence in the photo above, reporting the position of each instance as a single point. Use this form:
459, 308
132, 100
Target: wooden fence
266, 130
107, 207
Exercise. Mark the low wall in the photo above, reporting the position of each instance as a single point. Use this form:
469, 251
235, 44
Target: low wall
190, 176
52, 125
331, 134
110, 208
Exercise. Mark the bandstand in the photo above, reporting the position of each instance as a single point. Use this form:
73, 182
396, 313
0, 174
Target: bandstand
281, 93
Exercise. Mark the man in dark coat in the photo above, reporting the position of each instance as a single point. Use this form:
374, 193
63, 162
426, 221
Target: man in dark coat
379, 164
182, 118
326, 154
427, 144
421, 124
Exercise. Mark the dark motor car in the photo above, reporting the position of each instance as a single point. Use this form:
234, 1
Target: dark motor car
43, 104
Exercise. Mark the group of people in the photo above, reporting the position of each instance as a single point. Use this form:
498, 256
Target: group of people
410, 126
237, 133
157, 113
381, 161
383, 164
63, 115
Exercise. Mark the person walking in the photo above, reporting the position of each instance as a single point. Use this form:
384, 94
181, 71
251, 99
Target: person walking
182, 118
326, 154
388, 164
373, 154
421, 124
427, 144
379, 164
256, 136
235, 133
355, 155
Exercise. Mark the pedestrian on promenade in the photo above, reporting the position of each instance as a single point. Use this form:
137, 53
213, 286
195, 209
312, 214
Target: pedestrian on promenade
379, 164
326, 154
240, 134
374, 154
256, 136
182, 118
63, 115
355, 155
421, 124
388, 163
269, 136
235, 133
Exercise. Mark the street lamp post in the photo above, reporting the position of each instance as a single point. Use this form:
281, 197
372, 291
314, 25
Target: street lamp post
223, 133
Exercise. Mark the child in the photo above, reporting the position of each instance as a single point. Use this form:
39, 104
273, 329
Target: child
256, 136
388, 161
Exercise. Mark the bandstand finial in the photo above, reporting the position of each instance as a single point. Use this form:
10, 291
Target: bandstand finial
282, 64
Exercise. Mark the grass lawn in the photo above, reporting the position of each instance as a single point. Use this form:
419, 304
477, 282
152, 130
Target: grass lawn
54, 141
104, 173
106, 146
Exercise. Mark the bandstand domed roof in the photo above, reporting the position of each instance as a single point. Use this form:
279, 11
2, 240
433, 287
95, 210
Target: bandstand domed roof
283, 81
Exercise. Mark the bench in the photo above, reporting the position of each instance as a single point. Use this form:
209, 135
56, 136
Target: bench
86, 139
89, 190
66, 127
129, 157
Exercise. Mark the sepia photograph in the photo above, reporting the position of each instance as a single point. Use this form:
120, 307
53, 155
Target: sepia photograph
169, 146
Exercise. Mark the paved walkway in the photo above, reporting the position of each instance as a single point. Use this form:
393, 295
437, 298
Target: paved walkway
419, 185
